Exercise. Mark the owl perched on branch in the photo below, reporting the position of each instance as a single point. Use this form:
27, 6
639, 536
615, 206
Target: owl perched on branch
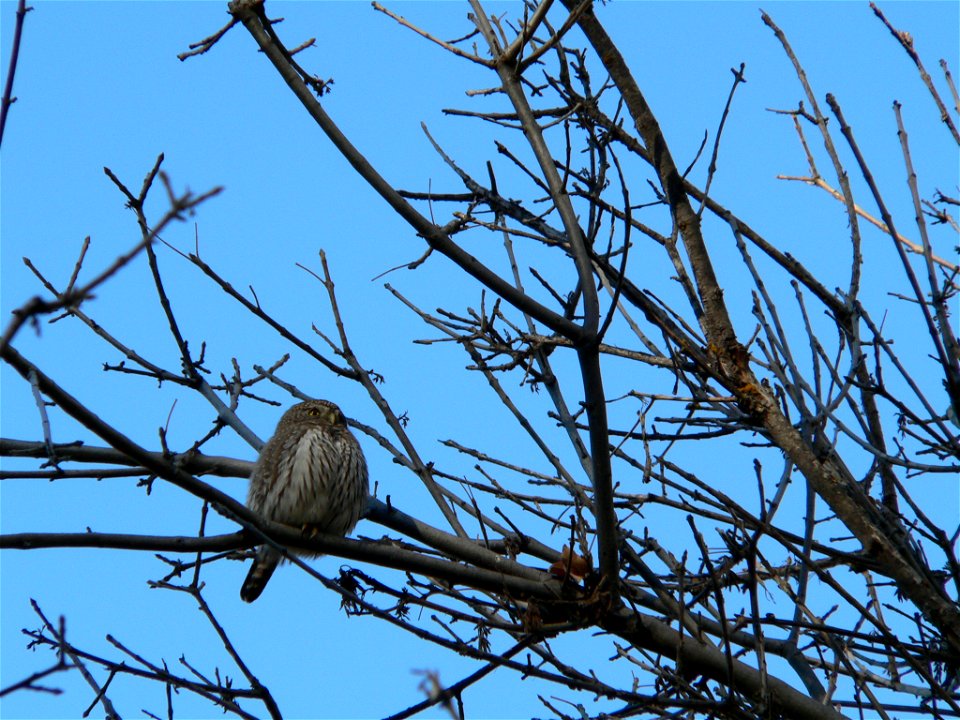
310, 474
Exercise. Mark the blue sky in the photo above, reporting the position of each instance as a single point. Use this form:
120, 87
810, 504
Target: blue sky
99, 84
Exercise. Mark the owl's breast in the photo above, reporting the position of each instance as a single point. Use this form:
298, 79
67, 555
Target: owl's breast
312, 478
311, 470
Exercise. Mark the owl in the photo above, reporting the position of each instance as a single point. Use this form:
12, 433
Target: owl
310, 474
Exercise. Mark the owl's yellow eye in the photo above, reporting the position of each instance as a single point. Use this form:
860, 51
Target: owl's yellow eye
313, 412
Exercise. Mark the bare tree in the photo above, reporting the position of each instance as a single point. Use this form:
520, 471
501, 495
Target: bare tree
729, 616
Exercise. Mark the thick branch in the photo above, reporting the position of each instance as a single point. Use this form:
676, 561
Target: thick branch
587, 350
250, 13
694, 657
384, 554
194, 462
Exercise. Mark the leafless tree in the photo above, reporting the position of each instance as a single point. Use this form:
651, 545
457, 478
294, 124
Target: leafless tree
729, 616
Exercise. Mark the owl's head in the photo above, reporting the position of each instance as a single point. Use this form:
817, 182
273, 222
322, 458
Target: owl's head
314, 412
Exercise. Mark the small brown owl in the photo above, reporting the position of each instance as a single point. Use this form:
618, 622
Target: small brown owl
310, 474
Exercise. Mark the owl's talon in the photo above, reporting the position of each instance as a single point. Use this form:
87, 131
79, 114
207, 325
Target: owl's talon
310, 530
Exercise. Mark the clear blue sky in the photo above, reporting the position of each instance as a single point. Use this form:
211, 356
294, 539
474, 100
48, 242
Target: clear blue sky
99, 84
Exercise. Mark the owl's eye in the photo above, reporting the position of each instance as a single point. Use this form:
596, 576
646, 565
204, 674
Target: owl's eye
313, 412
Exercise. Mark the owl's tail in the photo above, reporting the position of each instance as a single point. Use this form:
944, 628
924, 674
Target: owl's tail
263, 566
